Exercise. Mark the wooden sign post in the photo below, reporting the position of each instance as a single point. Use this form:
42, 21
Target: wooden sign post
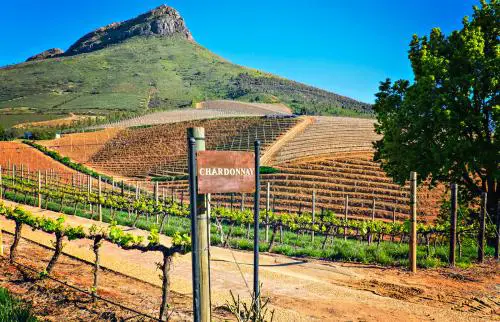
217, 172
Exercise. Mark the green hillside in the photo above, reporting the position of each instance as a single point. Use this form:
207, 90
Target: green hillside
152, 72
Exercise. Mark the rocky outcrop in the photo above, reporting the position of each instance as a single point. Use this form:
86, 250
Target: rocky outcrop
53, 52
162, 21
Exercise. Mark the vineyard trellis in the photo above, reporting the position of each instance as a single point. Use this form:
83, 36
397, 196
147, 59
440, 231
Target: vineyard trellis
180, 244
143, 206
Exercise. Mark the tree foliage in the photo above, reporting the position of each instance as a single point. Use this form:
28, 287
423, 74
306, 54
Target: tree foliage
445, 124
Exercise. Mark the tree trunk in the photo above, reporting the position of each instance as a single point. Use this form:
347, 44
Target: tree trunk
57, 253
165, 286
17, 237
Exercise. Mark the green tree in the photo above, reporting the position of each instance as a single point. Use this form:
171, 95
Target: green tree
445, 124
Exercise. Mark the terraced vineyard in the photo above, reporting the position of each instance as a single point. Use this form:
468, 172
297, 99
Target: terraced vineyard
27, 158
329, 155
80, 147
334, 157
334, 178
245, 107
328, 136
205, 110
161, 149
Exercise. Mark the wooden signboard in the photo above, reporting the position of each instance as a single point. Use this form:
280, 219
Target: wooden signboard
225, 171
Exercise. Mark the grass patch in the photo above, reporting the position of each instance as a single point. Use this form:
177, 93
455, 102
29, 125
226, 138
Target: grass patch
14, 310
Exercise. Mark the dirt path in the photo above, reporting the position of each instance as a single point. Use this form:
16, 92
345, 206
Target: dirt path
316, 290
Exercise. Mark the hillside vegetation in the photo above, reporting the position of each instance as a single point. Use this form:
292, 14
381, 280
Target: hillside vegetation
153, 72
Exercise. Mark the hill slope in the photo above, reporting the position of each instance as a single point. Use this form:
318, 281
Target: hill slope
147, 63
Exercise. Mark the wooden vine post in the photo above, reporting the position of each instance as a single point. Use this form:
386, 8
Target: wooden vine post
346, 212
268, 195
482, 229
1, 240
89, 191
313, 214
100, 195
39, 192
1, 183
453, 224
373, 209
413, 222
155, 190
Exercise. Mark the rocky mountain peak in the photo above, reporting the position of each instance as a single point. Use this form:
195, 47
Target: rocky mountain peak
50, 53
161, 21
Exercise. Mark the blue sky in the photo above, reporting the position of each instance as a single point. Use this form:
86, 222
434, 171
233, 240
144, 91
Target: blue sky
343, 46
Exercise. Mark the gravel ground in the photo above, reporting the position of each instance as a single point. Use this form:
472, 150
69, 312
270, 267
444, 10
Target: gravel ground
308, 290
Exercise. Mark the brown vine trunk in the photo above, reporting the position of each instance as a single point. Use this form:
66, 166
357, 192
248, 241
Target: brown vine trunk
96, 247
17, 237
228, 235
165, 287
428, 244
136, 219
57, 253
326, 238
62, 203
273, 237
163, 222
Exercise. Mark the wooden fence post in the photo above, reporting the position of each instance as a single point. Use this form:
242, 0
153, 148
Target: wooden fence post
1, 240
39, 189
1, 184
313, 213
89, 190
453, 224
413, 222
268, 195
156, 201
373, 209
100, 195
482, 228
346, 212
